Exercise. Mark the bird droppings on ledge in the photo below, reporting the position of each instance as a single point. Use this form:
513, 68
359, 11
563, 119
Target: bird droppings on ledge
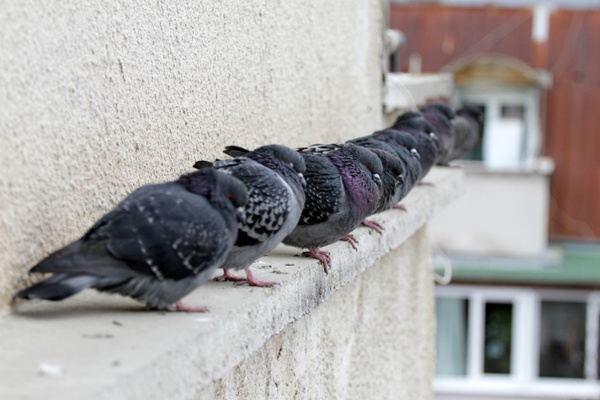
97, 336
48, 369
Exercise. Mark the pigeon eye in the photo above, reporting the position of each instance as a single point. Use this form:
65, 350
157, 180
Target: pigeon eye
230, 197
368, 166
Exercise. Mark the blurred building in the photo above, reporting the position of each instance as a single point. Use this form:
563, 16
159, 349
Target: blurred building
521, 316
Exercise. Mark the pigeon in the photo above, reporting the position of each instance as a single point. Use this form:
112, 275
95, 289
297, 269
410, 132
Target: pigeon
342, 188
273, 178
402, 145
392, 180
427, 142
468, 126
441, 117
156, 246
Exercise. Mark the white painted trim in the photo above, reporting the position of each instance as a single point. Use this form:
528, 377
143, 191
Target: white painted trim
523, 382
591, 337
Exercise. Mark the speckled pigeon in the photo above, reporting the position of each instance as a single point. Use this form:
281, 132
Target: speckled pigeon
273, 177
342, 188
156, 246
441, 117
427, 142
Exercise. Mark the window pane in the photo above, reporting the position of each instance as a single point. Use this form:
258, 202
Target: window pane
562, 340
512, 111
498, 338
451, 337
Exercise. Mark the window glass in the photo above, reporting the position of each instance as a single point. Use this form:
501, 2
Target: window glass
451, 337
498, 338
562, 339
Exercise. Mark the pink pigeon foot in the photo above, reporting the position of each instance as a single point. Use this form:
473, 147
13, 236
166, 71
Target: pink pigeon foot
228, 277
399, 207
376, 226
252, 281
181, 306
351, 240
320, 255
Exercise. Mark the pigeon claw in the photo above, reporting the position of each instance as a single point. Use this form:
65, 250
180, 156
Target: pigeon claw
252, 281
399, 207
320, 255
376, 226
351, 241
181, 306
228, 277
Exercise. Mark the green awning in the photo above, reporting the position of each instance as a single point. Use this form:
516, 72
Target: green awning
564, 265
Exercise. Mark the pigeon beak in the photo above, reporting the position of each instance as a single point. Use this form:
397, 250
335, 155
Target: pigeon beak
377, 179
302, 180
415, 153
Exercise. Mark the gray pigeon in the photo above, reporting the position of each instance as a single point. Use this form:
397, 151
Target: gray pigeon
468, 127
441, 117
273, 177
156, 246
403, 145
392, 180
342, 188
427, 142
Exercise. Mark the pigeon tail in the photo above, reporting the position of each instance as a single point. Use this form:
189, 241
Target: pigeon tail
58, 287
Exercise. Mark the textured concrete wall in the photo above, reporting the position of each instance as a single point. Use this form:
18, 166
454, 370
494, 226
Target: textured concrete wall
99, 98
373, 339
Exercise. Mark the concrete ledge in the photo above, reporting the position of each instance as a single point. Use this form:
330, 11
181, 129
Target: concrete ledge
97, 346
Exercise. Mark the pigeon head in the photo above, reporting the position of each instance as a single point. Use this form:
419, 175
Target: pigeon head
392, 178
392, 166
404, 139
286, 155
406, 146
368, 159
413, 122
427, 142
440, 108
211, 183
281, 159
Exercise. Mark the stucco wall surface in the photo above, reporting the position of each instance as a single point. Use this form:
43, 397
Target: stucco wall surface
373, 340
97, 98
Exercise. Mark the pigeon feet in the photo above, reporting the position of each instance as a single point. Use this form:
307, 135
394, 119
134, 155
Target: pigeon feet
181, 306
399, 207
376, 226
228, 277
249, 280
351, 240
320, 255
252, 281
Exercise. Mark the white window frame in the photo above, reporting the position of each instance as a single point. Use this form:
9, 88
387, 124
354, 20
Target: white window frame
494, 97
523, 381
